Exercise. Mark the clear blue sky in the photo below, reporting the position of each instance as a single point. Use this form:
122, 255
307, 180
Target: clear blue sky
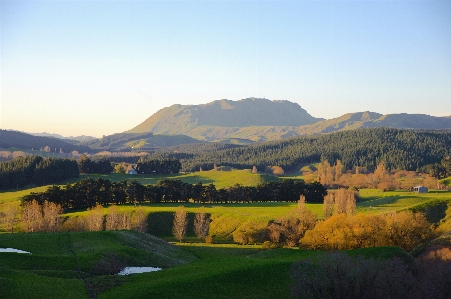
101, 67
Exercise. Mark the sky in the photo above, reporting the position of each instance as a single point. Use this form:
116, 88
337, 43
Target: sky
102, 67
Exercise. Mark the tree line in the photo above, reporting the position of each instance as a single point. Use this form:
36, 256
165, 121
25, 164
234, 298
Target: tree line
36, 170
398, 149
88, 193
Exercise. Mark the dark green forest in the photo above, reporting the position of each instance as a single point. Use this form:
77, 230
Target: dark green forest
87, 193
165, 166
399, 149
36, 170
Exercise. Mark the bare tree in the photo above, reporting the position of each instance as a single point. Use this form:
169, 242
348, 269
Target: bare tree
139, 220
10, 214
31, 217
201, 224
328, 206
95, 218
51, 216
180, 223
254, 169
112, 219
340, 201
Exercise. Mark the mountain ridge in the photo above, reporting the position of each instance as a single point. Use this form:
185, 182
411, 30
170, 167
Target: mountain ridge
258, 120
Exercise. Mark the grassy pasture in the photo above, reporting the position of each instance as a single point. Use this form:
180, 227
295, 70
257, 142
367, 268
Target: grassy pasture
221, 179
190, 270
53, 271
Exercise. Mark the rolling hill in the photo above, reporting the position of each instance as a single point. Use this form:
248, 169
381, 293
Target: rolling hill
15, 139
257, 120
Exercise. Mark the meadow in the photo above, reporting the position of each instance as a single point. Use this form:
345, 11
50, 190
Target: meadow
66, 265
81, 264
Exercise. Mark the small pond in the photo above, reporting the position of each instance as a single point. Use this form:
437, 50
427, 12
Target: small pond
13, 250
135, 270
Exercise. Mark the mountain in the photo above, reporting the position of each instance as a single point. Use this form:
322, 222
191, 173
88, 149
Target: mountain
70, 139
10, 139
258, 120
224, 115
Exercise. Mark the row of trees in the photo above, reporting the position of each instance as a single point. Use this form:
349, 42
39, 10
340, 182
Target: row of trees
35, 170
46, 217
335, 176
201, 224
399, 149
87, 193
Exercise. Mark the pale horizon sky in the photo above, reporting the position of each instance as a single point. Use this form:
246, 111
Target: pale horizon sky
102, 67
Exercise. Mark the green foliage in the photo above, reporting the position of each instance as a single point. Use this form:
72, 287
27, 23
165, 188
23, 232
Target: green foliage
165, 166
35, 170
86, 165
399, 149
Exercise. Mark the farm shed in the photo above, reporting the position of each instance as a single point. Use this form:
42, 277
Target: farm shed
420, 189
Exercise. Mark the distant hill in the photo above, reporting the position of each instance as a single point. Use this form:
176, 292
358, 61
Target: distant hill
258, 120
226, 115
70, 139
141, 141
9, 139
367, 119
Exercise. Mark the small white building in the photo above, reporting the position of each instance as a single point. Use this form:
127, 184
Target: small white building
131, 171
420, 189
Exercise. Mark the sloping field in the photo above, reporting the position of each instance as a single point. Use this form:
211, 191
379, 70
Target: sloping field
75, 265
65, 265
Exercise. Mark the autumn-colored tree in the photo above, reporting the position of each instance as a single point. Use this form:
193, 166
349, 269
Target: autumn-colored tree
51, 216
326, 173
180, 223
113, 219
341, 232
328, 205
139, 220
31, 218
406, 229
338, 170
94, 218
201, 224
288, 229
10, 213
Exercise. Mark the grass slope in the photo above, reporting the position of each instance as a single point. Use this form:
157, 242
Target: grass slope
53, 271
227, 272
221, 179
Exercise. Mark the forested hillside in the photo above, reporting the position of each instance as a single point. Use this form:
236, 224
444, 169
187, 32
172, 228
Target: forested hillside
37, 170
9, 139
399, 149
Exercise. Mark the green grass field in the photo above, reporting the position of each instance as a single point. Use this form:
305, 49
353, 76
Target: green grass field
190, 270
221, 179
228, 218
